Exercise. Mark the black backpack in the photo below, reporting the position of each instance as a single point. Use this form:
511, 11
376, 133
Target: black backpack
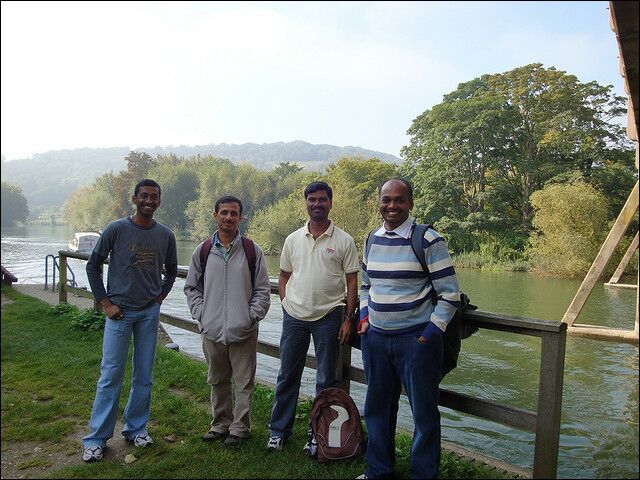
249, 251
458, 328
336, 426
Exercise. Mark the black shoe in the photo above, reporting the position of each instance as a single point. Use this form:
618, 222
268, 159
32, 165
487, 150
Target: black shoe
212, 436
233, 441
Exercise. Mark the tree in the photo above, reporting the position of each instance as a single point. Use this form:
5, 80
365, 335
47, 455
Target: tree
138, 166
354, 182
179, 183
285, 178
86, 209
14, 205
498, 138
571, 223
270, 226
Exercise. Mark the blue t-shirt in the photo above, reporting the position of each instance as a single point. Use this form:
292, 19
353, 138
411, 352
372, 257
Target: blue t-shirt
136, 257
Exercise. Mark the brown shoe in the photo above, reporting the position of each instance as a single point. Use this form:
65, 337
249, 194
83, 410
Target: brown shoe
233, 441
212, 436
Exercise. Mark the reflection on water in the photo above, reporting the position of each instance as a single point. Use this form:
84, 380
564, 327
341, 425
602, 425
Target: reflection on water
599, 433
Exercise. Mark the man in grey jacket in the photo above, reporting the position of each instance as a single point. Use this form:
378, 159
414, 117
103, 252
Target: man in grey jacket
228, 303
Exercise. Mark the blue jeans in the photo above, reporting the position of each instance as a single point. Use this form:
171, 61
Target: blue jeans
115, 347
294, 344
390, 362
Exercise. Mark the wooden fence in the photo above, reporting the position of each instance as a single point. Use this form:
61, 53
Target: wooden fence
544, 422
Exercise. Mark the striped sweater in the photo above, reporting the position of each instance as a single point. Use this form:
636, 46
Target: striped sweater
396, 295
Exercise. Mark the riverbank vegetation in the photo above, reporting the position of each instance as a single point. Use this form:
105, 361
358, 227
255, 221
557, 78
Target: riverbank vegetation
50, 364
485, 164
14, 204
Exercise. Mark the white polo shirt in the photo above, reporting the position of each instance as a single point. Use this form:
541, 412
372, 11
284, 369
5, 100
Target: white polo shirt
318, 267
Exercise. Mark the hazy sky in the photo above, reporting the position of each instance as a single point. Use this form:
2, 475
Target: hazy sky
117, 74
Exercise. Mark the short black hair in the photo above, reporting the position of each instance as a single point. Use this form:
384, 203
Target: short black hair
147, 182
228, 199
316, 186
401, 180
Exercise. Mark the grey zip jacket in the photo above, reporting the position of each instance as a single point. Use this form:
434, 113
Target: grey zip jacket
226, 308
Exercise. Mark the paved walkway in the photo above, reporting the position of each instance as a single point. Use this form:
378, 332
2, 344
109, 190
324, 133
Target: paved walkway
50, 296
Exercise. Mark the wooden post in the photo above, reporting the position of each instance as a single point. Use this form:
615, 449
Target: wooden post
545, 461
625, 261
617, 231
635, 330
62, 290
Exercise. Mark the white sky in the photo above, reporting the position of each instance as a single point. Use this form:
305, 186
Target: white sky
118, 74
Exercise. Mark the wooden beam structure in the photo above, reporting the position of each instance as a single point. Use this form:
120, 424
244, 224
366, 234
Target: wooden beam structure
604, 255
614, 281
623, 20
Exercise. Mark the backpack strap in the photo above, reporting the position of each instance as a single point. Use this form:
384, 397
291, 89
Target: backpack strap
368, 243
417, 235
249, 250
204, 255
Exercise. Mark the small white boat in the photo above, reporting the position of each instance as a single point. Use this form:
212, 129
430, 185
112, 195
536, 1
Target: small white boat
83, 242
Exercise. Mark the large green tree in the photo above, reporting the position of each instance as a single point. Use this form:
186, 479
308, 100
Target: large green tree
14, 205
479, 155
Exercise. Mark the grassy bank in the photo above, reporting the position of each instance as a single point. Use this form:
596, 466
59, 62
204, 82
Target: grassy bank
49, 372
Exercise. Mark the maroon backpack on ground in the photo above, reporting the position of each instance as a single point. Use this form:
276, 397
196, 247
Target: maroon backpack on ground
336, 425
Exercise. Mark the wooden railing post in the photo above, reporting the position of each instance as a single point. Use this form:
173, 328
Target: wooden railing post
62, 290
545, 462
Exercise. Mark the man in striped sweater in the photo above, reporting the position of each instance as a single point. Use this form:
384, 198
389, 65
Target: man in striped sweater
403, 315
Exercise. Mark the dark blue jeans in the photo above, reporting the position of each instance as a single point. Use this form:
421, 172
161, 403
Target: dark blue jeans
294, 344
390, 362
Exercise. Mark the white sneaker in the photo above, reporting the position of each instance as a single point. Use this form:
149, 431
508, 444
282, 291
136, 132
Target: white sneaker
92, 454
142, 440
362, 476
275, 443
311, 447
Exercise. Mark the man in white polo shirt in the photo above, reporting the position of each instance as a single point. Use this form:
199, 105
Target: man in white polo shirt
317, 262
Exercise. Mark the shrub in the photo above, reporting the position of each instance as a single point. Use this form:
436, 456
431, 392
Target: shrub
570, 223
88, 320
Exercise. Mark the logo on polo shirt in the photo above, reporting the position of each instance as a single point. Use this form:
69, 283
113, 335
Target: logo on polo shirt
330, 250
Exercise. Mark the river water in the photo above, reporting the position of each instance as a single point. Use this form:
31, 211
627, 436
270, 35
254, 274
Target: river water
599, 432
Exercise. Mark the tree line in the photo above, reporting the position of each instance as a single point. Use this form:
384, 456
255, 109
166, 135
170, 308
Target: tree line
491, 166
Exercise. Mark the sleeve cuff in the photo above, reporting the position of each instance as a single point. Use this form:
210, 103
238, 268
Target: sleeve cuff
431, 330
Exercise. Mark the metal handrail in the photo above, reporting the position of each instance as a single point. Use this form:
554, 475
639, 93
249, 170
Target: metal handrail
55, 265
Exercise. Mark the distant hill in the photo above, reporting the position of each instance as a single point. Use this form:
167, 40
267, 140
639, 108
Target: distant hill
47, 179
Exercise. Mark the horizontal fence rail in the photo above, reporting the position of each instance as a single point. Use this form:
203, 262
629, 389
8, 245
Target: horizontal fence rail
544, 422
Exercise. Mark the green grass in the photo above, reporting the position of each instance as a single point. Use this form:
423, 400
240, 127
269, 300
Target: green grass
50, 365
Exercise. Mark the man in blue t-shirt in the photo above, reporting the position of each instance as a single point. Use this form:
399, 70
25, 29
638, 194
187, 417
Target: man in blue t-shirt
137, 247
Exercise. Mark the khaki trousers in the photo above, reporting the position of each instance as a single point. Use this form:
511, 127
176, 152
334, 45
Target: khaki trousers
235, 361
